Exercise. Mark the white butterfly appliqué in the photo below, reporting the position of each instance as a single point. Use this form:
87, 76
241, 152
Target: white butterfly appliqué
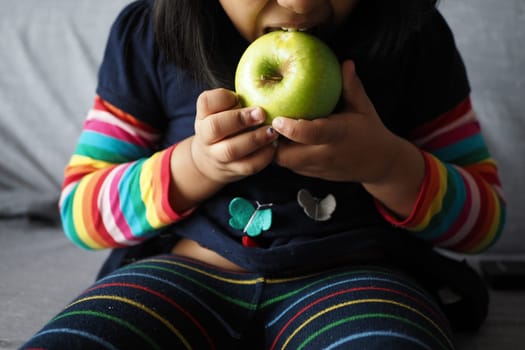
319, 209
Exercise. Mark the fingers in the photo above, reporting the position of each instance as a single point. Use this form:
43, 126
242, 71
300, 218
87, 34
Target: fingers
243, 145
222, 125
354, 95
236, 157
219, 116
215, 101
311, 132
295, 156
229, 141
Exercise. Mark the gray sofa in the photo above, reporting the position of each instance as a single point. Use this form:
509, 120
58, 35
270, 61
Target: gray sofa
50, 51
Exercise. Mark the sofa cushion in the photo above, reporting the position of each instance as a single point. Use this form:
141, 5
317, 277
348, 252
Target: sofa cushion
489, 34
48, 69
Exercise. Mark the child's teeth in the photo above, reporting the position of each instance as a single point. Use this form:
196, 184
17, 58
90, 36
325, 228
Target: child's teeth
294, 29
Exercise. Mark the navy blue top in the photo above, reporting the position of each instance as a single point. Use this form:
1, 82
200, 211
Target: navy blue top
425, 81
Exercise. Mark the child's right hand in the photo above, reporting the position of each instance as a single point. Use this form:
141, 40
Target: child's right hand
229, 142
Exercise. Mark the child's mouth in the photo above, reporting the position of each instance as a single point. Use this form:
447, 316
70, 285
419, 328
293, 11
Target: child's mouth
273, 29
315, 30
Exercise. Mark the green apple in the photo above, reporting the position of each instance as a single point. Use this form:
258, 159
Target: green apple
291, 74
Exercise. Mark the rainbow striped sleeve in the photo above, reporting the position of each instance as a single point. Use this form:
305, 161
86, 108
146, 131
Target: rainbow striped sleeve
115, 185
461, 204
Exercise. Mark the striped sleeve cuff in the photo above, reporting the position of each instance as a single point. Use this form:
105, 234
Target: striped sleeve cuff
455, 209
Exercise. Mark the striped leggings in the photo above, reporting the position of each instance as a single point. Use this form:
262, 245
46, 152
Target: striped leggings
170, 302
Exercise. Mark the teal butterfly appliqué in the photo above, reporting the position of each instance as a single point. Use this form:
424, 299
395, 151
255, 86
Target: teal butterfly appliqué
248, 218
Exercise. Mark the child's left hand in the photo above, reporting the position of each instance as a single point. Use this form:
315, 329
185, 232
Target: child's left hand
352, 145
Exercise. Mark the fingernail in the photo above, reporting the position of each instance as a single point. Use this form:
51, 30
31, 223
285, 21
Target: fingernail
271, 132
257, 115
277, 123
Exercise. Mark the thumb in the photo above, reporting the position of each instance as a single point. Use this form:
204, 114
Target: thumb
355, 98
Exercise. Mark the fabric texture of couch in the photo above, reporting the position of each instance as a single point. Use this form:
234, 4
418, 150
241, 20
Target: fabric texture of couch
50, 51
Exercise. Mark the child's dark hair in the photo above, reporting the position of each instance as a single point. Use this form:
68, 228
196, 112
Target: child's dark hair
197, 36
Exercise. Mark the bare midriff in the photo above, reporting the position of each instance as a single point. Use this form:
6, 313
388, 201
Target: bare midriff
191, 249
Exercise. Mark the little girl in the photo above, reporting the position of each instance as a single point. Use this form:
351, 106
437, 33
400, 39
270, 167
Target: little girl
213, 215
